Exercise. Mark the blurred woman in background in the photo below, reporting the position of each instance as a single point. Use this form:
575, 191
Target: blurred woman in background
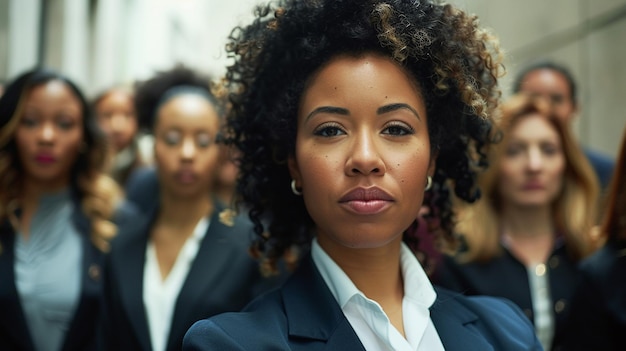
190, 260
57, 214
525, 236
598, 317
115, 110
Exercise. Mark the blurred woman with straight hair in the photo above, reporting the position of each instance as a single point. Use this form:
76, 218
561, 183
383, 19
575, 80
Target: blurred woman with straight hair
524, 237
58, 212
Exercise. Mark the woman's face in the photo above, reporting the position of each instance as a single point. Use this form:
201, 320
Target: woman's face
116, 117
50, 134
533, 163
184, 149
554, 88
362, 151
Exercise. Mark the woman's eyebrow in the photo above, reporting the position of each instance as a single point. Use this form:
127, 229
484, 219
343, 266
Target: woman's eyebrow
397, 106
328, 109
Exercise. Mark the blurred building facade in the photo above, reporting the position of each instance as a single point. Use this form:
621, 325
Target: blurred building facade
100, 43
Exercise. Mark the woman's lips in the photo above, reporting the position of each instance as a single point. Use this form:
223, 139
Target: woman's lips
366, 201
185, 177
45, 159
533, 186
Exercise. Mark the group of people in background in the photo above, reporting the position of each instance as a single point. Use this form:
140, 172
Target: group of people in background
352, 183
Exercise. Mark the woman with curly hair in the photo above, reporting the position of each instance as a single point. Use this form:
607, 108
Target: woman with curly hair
526, 235
598, 309
190, 259
346, 112
58, 212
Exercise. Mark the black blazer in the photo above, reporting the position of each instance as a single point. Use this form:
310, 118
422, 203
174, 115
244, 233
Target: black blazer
505, 276
223, 277
82, 332
598, 312
304, 315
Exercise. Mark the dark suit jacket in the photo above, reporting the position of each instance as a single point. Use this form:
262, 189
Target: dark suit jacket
602, 164
142, 189
81, 335
304, 315
506, 277
598, 312
223, 277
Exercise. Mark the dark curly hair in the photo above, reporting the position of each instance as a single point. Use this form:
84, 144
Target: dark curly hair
455, 63
149, 92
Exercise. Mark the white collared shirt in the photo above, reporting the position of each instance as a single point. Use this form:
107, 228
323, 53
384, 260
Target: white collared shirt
160, 295
367, 317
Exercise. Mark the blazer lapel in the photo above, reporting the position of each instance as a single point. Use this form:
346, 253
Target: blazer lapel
451, 319
313, 313
205, 273
130, 266
12, 318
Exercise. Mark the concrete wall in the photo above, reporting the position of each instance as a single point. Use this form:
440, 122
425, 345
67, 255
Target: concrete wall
585, 35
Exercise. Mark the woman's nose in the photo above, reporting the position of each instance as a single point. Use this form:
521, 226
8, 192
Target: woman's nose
535, 160
47, 133
188, 149
364, 156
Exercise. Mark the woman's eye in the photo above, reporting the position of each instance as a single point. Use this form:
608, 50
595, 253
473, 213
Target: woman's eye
172, 138
513, 150
203, 140
397, 129
28, 121
329, 131
65, 124
549, 149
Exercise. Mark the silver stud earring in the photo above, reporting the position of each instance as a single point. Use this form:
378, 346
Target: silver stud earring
429, 183
294, 189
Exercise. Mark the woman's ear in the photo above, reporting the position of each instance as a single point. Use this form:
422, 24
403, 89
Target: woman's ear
432, 165
294, 170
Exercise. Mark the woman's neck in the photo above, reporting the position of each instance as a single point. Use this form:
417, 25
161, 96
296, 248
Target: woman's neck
375, 272
528, 232
29, 200
182, 213
520, 221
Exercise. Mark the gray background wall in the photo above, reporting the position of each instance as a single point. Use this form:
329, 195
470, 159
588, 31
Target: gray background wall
104, 42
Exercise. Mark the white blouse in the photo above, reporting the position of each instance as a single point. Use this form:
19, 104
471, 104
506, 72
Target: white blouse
367, 317
160, 294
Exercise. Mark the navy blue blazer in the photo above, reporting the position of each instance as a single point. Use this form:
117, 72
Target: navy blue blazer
598, 311
222, 278
506, 277
142, 189
82, 332
304, 315
602, 164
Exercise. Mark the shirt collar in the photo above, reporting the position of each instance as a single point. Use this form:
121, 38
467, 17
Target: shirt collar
417, 286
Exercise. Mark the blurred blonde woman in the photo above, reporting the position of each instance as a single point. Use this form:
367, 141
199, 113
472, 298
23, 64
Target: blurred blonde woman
58, 211
523, 239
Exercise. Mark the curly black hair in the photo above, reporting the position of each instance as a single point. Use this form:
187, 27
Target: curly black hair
149, 92
456, 63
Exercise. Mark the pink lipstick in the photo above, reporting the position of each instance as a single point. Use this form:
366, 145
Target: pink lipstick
368, 201
45, 158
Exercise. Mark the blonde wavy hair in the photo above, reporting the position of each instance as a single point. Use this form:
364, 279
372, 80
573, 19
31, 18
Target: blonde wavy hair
574, 210
99, 194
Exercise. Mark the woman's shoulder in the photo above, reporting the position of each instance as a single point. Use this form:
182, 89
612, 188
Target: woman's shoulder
261, 325
498, 320
601, 261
